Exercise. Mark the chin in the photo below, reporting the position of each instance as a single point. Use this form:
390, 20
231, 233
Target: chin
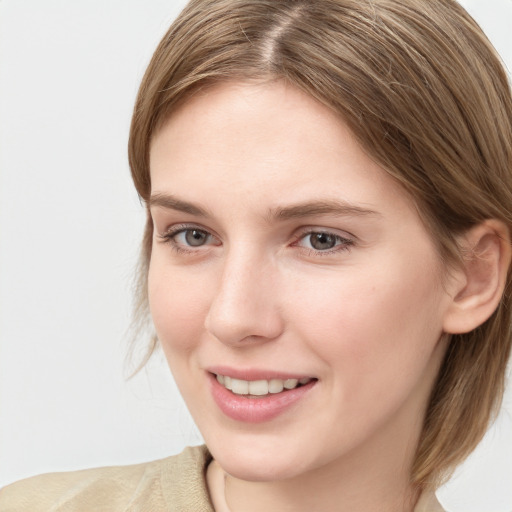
261, 472
256, 463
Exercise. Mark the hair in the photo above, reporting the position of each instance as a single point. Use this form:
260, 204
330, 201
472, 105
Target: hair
428, 99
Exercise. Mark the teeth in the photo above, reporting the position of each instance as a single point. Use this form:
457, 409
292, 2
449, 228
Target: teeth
290, 383
259, 387
240, 387
275, 386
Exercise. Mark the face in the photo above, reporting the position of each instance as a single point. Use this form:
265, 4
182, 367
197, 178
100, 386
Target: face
284, 257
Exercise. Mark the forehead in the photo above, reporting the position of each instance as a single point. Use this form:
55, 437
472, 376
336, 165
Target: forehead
269, 143
247, 113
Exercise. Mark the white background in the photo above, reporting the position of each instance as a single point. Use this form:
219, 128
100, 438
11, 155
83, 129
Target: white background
70, 225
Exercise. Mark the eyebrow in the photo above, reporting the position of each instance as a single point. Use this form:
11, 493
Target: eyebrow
334, 207
172, 203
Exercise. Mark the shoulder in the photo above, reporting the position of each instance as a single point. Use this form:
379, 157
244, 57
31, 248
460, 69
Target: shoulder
428, 503
174, 483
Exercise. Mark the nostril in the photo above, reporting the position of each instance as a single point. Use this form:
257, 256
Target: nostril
236, 322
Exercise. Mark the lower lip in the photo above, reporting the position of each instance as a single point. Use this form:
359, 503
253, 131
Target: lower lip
256, 410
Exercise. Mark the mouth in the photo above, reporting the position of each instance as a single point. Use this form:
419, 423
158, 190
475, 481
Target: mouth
262, 387
259, 399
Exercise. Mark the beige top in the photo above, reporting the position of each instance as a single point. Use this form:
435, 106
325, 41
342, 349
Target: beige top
174, 484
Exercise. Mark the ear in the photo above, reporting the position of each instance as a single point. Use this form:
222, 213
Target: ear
478, 286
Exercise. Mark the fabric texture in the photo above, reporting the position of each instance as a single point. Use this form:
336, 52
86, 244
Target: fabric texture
173, 484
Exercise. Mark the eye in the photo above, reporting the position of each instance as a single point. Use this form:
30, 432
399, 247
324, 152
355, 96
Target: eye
323, 241
192, 237
187, 238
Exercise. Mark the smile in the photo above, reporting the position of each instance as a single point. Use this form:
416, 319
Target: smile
258, 388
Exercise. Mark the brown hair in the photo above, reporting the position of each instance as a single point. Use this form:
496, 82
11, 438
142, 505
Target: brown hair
424, 92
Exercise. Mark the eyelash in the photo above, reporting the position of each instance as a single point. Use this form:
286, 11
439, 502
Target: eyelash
169, 237
342, 243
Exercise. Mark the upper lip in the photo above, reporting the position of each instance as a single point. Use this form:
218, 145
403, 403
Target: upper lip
252, 374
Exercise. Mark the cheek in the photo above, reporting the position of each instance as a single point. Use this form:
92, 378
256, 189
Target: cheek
374, 323
376, 336
177, 309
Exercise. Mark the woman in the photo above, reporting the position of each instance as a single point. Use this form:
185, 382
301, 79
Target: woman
326, 255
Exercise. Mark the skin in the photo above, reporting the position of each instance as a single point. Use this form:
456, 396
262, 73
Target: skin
365, 318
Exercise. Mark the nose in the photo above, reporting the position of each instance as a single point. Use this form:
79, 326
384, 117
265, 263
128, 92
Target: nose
245, 305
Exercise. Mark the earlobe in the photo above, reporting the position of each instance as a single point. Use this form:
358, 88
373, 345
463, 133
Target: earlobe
479, 285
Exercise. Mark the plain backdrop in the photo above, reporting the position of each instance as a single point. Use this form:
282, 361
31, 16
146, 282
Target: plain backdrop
70, 225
